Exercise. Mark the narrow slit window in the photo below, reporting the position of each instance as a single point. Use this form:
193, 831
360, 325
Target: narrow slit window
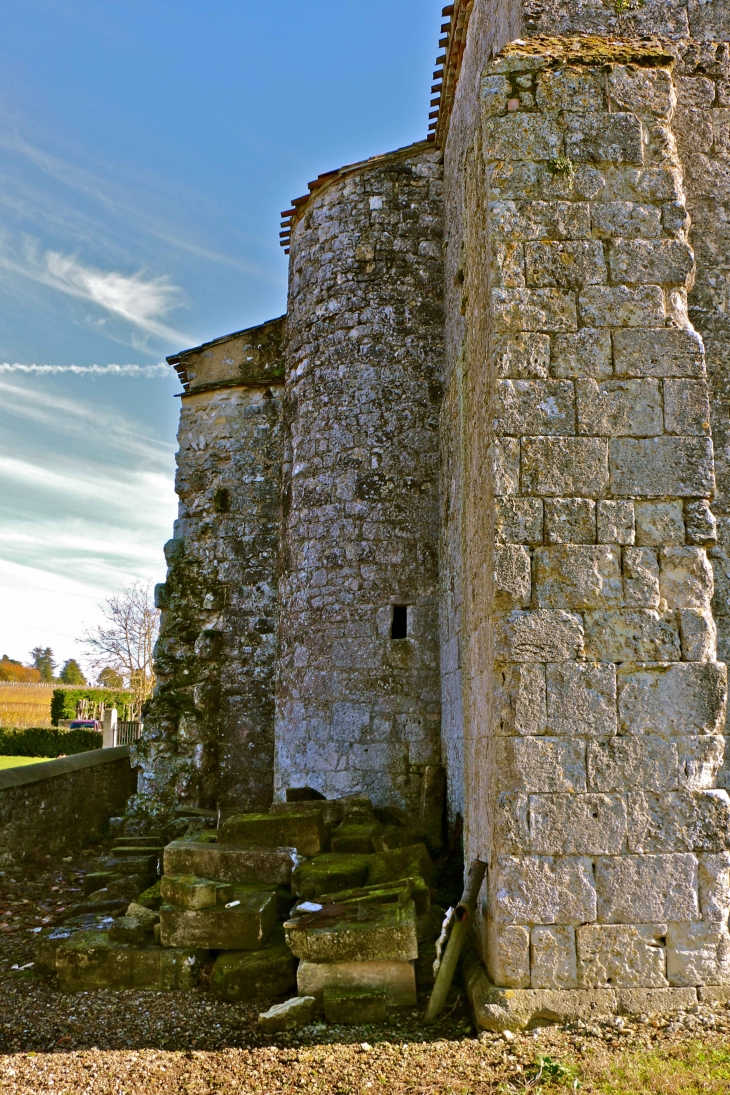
399, 626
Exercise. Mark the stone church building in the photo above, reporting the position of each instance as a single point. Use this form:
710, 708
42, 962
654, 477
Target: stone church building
463, 513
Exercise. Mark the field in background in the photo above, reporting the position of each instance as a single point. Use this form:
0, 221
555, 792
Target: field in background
13, 762
24, 705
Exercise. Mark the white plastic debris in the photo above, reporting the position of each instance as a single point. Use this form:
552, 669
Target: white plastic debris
309, 906
232, 904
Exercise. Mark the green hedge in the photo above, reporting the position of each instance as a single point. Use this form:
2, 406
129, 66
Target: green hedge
46, 741
64, 700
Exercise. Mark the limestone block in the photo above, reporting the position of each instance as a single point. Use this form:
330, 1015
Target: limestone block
507, 267
681, 698
657, 262
700, 760
89, 961
553, 958
127, 929
397, 978
541, 635
493, 92
585, 353
518, 520
699, 635
519, 699
714, 885
655, 1001
578, 576
686, 407
508, 954
615, 521
290, 1015
246, 866
570, 521
621, 954
659, 523
540, 220
383, 933
522, 354
560, 466
646, 889
621, 306
619, 408
414, 887
511, 828
190, 892
626, 220
623, 763
631, 635
663, 352
329, 873
244, 923
597, 138
565, 265
522, 136
642, 90
542, 890
692, 821
581, 699
352, 1006
695, 91
540, 764
700, 523
698, 954
641, 577
504, 459
248, 976
534, 407
533, 310
675, 219
679, 466
577, 824
709, 22
570, 88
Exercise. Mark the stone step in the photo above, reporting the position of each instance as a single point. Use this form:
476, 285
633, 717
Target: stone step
228, 863
355, 933
249, 976
332, 811
396, 978
412, 861
330, 872
90, 961
303, 830
245, 923
126, 850
190, 892
349, 1006
356, 838
132, 864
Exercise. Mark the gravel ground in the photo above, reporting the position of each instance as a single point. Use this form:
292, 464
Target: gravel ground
128, 1042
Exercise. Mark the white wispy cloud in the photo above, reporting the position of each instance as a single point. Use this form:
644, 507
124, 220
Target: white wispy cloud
146, 371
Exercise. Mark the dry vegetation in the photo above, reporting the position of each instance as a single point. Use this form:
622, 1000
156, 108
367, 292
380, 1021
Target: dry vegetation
23, 705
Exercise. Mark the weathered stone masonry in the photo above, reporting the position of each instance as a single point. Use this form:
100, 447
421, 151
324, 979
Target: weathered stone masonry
512, 432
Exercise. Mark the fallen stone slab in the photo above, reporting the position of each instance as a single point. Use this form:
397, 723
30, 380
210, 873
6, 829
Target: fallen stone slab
411, 861
396, 978
127, 851
303, 830
264, 867
294, 1013
128, 929
151, 897
332, 810
250, 976
148, 917
330, 872
350, 1006
191, 892
381, 894
355, 933
90, 961
358, 839
98, 880
145, 865
244, 923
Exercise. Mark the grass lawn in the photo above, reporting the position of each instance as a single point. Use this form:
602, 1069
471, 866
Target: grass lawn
13, 762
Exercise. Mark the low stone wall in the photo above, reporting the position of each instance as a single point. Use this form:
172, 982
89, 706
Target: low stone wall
54, 806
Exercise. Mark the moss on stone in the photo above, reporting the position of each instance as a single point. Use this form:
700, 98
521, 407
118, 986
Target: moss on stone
591, 49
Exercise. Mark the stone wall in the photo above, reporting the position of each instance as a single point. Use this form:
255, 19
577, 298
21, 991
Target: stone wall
209, 733
358, 710
593, 701
55, 806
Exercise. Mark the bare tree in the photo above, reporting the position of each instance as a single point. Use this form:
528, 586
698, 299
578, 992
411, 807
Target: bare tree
125, 640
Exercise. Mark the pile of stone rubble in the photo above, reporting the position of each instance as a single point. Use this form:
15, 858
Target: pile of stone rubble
328, 898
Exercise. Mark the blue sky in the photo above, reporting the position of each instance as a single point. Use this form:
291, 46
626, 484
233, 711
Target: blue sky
147, 148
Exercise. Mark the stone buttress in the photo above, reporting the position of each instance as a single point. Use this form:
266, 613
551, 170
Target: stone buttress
209, 732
